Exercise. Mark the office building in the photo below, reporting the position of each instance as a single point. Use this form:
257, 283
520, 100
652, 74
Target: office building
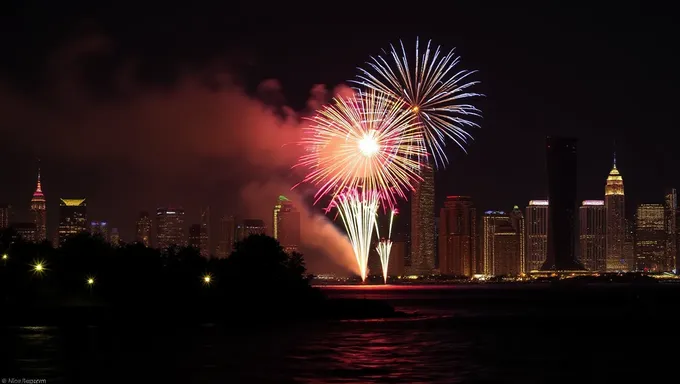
536, 222
204, 236
170, 228
592, 235
72, 218
114, 237
143, 230
5, 213
503, 243
670, 211
248, 227
101, 229
458, 237
650, 238
25, 231
615, 203
39, 212
286, 225
562, 178
422, 224
226, 235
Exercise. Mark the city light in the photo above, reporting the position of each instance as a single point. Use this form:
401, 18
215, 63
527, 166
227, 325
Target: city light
539, 202
593, 202
207, 279
4, 256
90, 281
38, 267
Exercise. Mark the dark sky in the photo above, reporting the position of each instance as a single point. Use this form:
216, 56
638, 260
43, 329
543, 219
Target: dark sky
126, 105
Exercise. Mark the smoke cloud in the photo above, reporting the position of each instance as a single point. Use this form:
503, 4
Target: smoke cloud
179, 140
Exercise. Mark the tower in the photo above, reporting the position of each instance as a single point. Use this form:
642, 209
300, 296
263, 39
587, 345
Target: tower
144, 229
592, 221
458, 237
422, 228
614, 201
562, 178
39, 212
536, 234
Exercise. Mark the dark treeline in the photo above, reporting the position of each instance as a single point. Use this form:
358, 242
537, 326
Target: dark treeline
258, 276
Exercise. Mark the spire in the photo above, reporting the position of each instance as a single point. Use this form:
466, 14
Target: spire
614, 159
39, 187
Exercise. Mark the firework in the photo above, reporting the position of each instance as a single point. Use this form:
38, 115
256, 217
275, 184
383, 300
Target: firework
434, 92
358, 210
385, 246
366, 141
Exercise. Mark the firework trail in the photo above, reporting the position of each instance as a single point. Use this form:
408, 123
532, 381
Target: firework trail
385, 246
359, 210
434, 92
368, 142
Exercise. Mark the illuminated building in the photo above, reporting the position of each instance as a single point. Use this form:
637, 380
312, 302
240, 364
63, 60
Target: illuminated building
518, 224
286, 225
195, 236
39, 212
226, 236
144, 229
26, 231
592, 235
115, 237
629, 245
650, 238
670, 211
397, 258
536, 221
249, 227
503, 243
615, 203
170, 228
100, 228
204, 235
422, 224
562, 172
458, 237
72, 218
5, 212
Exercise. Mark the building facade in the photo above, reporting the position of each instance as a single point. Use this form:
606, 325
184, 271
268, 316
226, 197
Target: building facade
170, 228
615, 203
503, 245
458, 237
226, 237
204, 247
143, 229
72, 218
670, 211
286, 225
100, 228
650, 238
5, 213
422, 224
39, 212
592, 235
536, 222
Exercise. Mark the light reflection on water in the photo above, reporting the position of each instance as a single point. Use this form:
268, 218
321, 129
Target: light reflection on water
445, 342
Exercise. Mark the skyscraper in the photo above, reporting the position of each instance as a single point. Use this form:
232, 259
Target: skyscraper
592, 235
204, 235
650, 238
170, 228
562, 172
5, 213
72, 218
503, 243
615, 203
422, 224
287, 225
458, 236
249, 227
100, 228
144, 229
114, 237
226, 236
670, 211
536, 234
195, 236
39, 212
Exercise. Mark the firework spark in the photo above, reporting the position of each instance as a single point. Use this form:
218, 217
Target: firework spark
434, 92
358, 210
367, 141
385, 246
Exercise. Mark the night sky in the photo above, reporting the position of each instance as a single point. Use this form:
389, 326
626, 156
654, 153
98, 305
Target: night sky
136, 106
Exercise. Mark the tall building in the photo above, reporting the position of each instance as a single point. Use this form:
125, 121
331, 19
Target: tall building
195, 236
170, 228
670, 212
629, 246
422, 224
248, 227
26, 231
592, 235
5, 213
226, 236
519, 226
144, 229
503, 243
650, 238
204, 237
72, 218
286, 224
115, 237
562, 178
100, 228
615, 203
39, 212
536, 221
457, 237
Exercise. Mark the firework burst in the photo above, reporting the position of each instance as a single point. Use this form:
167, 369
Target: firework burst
367, 141
358, 210
385, 246
433, 90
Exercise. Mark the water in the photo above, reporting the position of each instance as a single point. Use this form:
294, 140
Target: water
456, 334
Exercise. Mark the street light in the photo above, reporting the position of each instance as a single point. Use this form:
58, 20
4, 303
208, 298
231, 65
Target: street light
38, 267
207, 279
